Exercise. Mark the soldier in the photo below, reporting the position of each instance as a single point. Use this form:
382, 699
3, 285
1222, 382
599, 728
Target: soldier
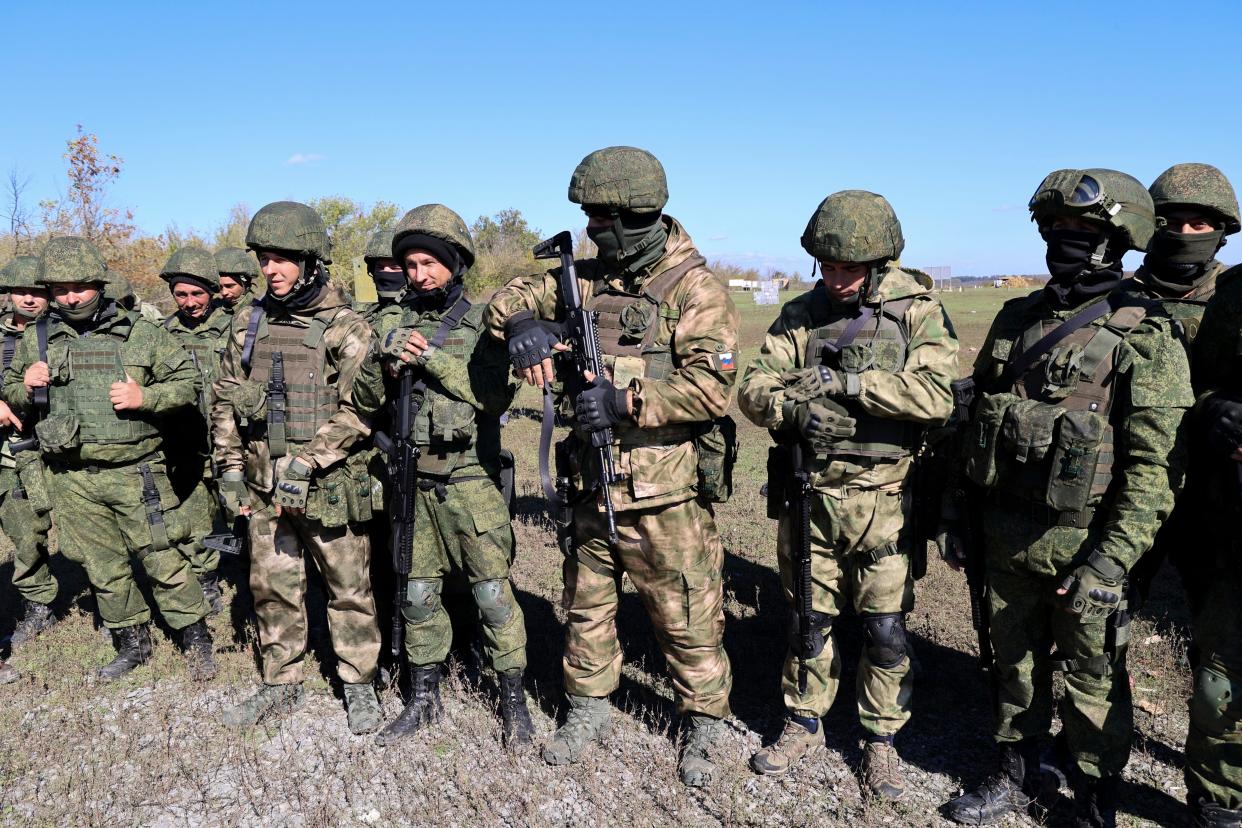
110, 376
25, 515
1074, 446
201, 325
669, 332
288, 445
385, 272
854, 368
461, 520
1196, 209
238, 271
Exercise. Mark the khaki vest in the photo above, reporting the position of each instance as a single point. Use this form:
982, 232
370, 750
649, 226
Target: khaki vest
310, 400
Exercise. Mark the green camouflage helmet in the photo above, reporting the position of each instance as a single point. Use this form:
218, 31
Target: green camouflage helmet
380, 246
71, 259
1112, 197
22, 272
437, 221
1197, 185
290, 227
192, 261
623, 178
238, 263
853, 226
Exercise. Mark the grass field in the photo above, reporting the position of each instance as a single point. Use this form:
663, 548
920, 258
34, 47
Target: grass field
148, 751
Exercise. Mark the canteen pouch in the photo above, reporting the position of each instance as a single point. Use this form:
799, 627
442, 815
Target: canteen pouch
717, 454
1079, 434
983, 436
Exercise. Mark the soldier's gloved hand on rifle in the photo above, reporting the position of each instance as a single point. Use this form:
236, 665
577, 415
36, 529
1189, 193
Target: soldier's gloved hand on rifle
531, 343
293, 486
1222, 413
601, 405
812, 383
234, 495
821, 422
1094, 589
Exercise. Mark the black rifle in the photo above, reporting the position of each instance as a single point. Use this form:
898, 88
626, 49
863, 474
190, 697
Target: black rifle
277, 407
403, 481
230, 543
579, 331
968, 500
798, 503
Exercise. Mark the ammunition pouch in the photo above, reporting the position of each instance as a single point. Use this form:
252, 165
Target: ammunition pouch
717, 454
59, 433
780, 473
341, 496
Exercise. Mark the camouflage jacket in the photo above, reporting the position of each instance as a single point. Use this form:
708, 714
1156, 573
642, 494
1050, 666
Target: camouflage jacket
701, 324
1216, 368
346, 340
204, 343
468, 387
1188, 308
1150, 394
149, 354
371, 311
918, 393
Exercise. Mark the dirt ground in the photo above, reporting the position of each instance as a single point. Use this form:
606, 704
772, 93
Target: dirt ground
149, 750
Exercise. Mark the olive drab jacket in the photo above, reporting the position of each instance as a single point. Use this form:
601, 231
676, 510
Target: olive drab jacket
1090, 436
205, 344
905, 358
672, 337
1187, 309
82, 427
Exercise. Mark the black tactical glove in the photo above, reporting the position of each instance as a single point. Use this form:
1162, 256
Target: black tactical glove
293, 486
1222, 414
601, 405
1094, 589
812, 383
530, 339
823, 422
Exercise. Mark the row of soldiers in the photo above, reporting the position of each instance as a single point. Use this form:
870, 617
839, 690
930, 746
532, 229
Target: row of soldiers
1065, 453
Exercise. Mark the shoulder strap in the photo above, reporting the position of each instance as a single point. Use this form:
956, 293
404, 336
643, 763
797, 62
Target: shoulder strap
448, 322
252, 333
1079, 320
168, 321
847, 337
10, 348
1110, 335
39, 395
319, 326
663, 283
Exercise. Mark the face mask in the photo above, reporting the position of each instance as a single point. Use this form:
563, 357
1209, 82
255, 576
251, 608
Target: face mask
389, 284
1069, 253
1184, 248
83, 311
607, 241
629, 249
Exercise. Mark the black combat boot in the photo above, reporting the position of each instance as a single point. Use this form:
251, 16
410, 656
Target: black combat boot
1095, 801
1004, 792
517, 730
422, 709
210, 582
196, 644
36, 619
1208, 814
133, 647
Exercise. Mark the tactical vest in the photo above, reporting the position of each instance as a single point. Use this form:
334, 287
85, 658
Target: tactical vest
310, 400
636, 336
204, 345
83, 370
9, 349
880, 345
1048, 439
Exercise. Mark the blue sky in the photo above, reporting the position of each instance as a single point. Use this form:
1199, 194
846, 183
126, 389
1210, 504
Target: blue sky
758, 110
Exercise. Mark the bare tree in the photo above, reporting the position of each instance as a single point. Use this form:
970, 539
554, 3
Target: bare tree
18, 214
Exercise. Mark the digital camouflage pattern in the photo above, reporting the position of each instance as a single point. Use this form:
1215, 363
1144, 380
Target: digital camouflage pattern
853, 226
22, 271
379, 246
1126, 205
192, 261
859, 519
236, 262
623, 178
1197, 185
71, 259
1186, 309
292, 228
439, 222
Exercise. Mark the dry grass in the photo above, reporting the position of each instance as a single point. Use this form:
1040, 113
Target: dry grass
148, 751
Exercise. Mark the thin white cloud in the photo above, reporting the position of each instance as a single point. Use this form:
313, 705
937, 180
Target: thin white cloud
299, 158
717, 238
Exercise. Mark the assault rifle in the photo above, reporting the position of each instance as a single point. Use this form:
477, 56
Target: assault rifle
403, 481
798, 503
230, 543
579, 331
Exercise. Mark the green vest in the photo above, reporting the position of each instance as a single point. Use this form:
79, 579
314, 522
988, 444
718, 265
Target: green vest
205, 344
309, 399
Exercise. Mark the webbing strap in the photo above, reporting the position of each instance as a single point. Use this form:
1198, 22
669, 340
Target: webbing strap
155, 514
448, 322
1084, 317
851, 332
1100, 665
10, 348
252, 333
1109, 336
39, 395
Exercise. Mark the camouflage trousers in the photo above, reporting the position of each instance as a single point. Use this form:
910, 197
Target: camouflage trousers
463, 530
855, 561
1214, 742
202, 513
28, 530
674, 557
1028, 621
105, 522
278, 582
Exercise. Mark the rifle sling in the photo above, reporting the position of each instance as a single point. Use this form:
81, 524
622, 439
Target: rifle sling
39, 396
1082, 319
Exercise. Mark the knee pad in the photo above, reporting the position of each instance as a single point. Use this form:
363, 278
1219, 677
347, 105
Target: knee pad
422, 601
1214, 704
493, 602
820, 624
885, 634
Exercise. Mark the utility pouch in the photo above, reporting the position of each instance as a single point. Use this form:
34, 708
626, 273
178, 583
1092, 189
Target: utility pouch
451, 420
1079, 434
717, 454
1026, 430
780, 472
328, 500
31, 472
358, 490
59, 433
982, 437
508, 488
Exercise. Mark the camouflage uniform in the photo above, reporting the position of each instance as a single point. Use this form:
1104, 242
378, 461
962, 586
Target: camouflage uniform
107, 467
321, 344
1079, 455
241, 266
379, 246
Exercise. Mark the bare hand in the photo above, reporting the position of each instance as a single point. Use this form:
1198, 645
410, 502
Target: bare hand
8, 418
125, 396
414, 347
37, 376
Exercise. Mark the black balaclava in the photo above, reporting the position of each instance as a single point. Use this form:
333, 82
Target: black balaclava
392, 283
1177, 262
1083, 264
633, 242
448, 255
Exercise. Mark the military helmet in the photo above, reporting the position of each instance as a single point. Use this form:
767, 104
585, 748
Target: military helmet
238, 263
194, 262
853, 226
622, 178
1113, 197
120, 289
1198, 185
71, 259
22, 272
380, 245
439, 222
290, 227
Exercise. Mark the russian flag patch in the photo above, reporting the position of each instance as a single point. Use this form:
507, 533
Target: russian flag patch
726, 361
